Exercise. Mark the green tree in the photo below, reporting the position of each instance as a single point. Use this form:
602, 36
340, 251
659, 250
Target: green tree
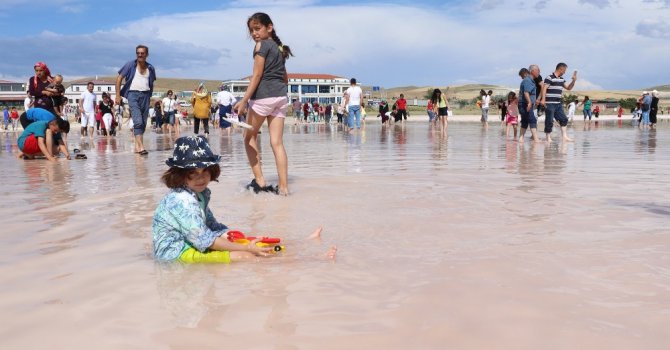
628, 103
567, 98
429, 94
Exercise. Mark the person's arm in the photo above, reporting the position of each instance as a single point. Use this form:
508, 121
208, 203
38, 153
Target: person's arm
202, 237
43, 147
526, 95
119, 80
572, 83
543, 94
63, 148
259, 64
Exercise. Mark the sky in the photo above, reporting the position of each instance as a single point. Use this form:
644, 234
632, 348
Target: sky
614, 44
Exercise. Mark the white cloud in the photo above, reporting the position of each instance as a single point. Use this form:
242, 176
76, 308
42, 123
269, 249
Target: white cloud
659, 29
388, 45
585, 85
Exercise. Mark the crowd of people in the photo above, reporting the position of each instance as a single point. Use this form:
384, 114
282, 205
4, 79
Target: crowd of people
184, 229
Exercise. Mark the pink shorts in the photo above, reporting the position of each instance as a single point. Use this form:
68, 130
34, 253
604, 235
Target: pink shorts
511, 119
271, 106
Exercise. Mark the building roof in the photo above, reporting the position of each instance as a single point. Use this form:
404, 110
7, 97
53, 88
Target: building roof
95, 81
312, 76
9, 82
306, 76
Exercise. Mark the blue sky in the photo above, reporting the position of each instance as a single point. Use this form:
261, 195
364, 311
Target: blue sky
614, 44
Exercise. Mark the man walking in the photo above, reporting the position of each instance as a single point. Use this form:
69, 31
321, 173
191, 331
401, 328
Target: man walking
353, 99
87, 103
226, 100
527, 99
139, 76
551, 99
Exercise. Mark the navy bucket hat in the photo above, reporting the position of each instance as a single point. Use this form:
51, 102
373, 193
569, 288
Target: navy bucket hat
192, 152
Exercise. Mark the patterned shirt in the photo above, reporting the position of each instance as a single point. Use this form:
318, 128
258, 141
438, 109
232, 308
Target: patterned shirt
182, 221
554, 89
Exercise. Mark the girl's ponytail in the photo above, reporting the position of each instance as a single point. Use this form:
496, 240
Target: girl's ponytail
284, 49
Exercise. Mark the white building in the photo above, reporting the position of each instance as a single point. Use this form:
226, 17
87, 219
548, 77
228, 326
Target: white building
324, 88
77, 87
12, 93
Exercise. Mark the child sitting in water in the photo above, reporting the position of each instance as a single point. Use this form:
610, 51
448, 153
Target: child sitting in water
512, 118
184, 228
40, 137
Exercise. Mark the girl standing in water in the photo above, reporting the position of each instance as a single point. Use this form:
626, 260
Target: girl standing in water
266, 99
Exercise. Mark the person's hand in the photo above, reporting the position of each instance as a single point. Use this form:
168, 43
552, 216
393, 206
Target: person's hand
541, 102
240, 107
117, 99
68, 157
528, 109
574, 75
256, 250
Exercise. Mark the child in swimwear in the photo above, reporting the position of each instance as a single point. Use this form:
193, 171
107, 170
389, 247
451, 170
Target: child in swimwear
184, 228
512, 118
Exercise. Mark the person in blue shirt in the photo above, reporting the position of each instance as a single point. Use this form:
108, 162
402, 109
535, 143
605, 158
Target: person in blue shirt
35, 114
645, 103
527, 99
184, 228
139, 76
5, 117
39, 139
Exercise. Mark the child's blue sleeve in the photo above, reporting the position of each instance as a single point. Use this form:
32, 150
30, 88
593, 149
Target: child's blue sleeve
195, 226
213, 224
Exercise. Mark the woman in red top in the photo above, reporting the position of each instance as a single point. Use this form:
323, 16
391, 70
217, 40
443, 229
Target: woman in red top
402, 108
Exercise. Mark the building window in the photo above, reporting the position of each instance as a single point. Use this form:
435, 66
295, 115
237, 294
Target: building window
76, 88
324, 89
99, 88
295, 89
308, 89
109, 88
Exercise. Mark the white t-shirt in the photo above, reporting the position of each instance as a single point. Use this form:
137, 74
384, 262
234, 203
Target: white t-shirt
485, 101
355, 94
27, 103
88, 100
571, 107
140, 82
169, 105
225, 98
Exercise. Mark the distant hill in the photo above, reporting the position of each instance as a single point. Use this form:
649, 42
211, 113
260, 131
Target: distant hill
660, 88
466, 91
177, 84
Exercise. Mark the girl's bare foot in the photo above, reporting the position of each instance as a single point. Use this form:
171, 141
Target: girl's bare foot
316, 234
332, 253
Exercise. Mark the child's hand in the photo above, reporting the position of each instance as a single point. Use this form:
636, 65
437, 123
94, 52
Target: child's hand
262, 251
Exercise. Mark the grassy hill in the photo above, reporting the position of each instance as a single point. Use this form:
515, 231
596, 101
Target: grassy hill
660, 88
464, 92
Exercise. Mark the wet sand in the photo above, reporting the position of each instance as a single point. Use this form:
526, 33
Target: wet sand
458, 241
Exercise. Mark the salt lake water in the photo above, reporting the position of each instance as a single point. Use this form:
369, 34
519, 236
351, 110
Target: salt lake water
458, 240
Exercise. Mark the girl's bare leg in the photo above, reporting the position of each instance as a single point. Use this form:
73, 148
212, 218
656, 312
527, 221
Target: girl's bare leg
276, 126
251, 146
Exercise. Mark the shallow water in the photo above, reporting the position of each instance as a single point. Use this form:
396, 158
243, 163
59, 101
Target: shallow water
463, 241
